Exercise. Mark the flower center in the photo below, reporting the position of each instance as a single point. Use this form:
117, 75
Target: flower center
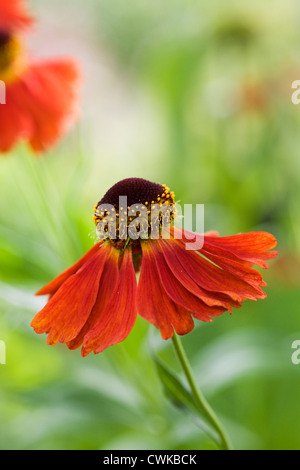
9, 53
4, 38
134, 208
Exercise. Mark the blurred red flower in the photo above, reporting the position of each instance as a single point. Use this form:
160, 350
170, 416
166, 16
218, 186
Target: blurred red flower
14, 15
95, 302
41, 96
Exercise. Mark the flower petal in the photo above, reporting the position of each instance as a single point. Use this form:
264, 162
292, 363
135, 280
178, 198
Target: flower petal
13, 123
212, 278
108, 282
246, 248
41, 104
250, 247
154, 304
68, 309
178, 293
242, 271
13, 15
117, 318
210, 298
55, 284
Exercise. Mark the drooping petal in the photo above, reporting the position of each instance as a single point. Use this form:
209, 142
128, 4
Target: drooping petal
242, 271
108, 282
212, 278
210, 298
55, 284
68, 309
246, 248
178, 293
117, 318
155, 305
251, 247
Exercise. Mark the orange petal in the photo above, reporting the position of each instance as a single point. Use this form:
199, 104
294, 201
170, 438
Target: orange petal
154, 304
117, 318
246, 248
108, 282
210, 277
41, 104
55, 284
13, 15
242, 271
251, 247
13, 122
178, 293
68, 309
210, 298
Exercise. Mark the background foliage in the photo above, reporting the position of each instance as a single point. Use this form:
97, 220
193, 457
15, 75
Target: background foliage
196, 95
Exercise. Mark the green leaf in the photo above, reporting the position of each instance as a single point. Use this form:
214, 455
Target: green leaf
174, 390
181, 397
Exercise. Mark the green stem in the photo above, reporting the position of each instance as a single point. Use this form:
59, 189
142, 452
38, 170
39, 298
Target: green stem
197, 394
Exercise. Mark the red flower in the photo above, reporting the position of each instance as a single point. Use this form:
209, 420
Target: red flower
95, 302
13, 15
41, 95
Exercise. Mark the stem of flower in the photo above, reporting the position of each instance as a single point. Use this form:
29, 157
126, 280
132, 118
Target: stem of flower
197, 394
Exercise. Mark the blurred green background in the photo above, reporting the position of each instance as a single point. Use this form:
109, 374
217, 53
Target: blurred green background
196, 95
